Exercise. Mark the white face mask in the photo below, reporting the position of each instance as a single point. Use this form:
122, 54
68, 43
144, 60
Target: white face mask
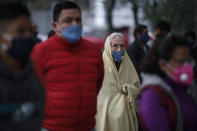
7, 37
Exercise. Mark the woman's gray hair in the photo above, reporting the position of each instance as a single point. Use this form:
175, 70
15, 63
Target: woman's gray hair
113, 35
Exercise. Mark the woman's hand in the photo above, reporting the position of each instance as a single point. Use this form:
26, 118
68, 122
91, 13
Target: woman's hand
122, 90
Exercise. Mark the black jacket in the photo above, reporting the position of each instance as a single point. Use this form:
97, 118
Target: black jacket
193, 53
136, 54
21, 100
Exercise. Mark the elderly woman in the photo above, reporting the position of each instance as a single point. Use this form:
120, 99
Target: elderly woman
116, 109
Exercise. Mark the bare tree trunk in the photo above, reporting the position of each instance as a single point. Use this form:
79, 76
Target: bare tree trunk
135, 10
109, 10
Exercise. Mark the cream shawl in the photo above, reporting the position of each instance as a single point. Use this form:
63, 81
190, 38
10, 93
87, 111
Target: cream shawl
116, 111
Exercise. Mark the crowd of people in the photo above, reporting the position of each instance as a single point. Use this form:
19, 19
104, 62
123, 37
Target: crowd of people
66, 83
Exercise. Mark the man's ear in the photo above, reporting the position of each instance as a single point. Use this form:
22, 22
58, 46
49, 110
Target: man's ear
138, 35
54, 25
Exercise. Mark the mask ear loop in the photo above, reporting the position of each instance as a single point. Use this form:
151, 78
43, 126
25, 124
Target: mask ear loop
58, 26
191, 61
169, 66
57, 32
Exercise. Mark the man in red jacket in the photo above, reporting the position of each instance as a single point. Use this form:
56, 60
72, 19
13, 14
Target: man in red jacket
71, 68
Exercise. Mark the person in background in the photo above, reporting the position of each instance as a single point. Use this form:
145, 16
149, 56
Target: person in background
35, 32
164, 103
39, 37
51, 33
71, 68
191, 39
21, 95
116, 108
161, 30
138, 50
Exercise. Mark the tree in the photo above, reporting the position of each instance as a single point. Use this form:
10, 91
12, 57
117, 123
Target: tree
43, 4
109, 6
135, 10
7, 1
180, 13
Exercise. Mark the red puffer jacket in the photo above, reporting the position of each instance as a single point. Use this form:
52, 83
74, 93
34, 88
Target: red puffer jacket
72, 74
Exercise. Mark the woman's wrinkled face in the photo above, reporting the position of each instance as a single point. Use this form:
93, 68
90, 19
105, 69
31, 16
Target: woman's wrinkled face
117, 44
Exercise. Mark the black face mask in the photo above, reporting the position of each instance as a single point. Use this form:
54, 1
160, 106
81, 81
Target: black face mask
191, 43
21, 48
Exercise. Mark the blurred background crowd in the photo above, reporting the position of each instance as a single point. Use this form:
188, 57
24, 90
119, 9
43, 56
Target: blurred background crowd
101, 17
131, 64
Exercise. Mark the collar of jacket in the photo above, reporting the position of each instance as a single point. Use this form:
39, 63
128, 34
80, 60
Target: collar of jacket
153, 79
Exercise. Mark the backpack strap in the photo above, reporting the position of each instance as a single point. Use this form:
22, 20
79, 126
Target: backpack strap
170, 102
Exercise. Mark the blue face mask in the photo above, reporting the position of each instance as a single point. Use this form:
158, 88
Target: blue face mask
72, 34
117, 56
191, 44
21, 48
144, 38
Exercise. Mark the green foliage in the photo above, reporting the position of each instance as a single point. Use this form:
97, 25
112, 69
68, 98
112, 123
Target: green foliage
84, 4
40, 4
45, 4
180, 13
9, 1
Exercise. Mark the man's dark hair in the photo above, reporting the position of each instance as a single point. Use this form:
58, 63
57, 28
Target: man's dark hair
190, 33
139, 29
162, 49
63, 5
163, 26
12, 11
